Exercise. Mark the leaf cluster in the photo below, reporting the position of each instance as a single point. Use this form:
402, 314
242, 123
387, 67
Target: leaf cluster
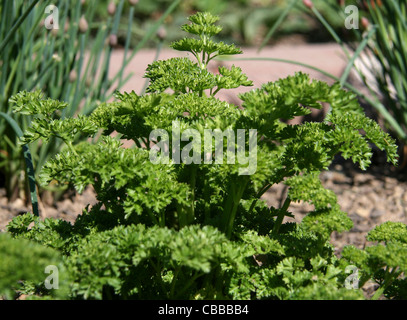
386, 261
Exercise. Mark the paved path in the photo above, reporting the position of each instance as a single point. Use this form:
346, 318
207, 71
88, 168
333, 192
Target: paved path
328, 57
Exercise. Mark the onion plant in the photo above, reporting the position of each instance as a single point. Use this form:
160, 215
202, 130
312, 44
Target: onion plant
387, 58
69, 63
382, 38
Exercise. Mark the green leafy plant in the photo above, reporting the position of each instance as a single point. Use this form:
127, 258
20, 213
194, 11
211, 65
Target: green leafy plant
200, 230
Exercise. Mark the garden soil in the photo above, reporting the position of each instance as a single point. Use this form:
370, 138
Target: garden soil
370, 198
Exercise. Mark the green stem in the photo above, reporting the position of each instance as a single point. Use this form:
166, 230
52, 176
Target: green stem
280, 19
189, 283
280, 216
234, 196
187, 213
216, 91
29, 164
330, 30
70, 146
77, 95
47, 68
127, 44
388, 279
13, 30
173, 282
207, 204
158, 273
259, 195
378, 293
12, 74
193, 186
358, 51
153, 218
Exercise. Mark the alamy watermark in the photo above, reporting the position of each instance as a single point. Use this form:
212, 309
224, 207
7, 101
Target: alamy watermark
52, 20
352, 18
192, 152
52, 281
352, 281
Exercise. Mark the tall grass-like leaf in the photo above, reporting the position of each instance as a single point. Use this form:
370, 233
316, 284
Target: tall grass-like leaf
357, 53
280, 19
386, 42
68, 65
373, 101
29, 164
17, 25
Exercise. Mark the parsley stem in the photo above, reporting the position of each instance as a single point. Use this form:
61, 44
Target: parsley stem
174, 281
189, 283
215, 92
258, 196
70, 146
281, 215
235, 195
388, 279
158, 274
191, 211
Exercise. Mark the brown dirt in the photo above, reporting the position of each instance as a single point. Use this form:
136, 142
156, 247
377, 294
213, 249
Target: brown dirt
370, 198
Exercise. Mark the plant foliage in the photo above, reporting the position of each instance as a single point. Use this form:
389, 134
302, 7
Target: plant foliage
199, 230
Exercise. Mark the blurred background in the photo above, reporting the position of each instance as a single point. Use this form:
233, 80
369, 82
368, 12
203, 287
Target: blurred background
245, 22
